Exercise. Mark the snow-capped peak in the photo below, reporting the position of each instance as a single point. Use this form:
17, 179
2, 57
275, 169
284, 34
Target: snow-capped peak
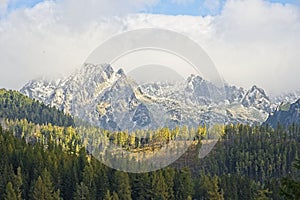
257, 98
98, 94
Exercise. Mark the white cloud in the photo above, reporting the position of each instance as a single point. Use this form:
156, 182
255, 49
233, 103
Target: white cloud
258, 42
55, 37
251, 42
3, 3
80, 12
3, 6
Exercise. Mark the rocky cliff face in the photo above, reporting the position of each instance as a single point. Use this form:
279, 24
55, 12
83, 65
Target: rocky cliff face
286, 114
256, 97
101, 96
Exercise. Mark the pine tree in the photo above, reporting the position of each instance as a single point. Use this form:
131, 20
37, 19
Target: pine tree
159, 187
107, 195
169, 175
262, 195
43, 188
290, 187
115, 196
183, 185
39, 191
215, 193
18, 183
122, 185
10, 193
82, 192
46, 178
141, 186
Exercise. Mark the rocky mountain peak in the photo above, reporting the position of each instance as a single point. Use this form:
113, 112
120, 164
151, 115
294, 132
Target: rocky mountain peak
257, 98
121, 72
100, 95
258, 91
92, 72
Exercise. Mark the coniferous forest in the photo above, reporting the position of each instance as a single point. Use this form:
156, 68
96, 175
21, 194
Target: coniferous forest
42, 157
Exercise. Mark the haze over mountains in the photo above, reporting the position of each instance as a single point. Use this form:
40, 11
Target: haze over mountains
113, 100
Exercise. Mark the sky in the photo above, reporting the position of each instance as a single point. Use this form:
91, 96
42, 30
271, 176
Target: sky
250, 41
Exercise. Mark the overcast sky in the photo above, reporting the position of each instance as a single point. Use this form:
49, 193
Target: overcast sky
250, 41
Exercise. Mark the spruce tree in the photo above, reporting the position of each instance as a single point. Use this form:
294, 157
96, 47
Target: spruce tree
122, 185
10, 193
82, 192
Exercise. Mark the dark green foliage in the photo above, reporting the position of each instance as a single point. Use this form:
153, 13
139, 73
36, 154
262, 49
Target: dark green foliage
209, 188
14, 105
247, 163
141, 186
82, 192
42, 189
290, 186
159, 186
121, 185
183, 185
10, 193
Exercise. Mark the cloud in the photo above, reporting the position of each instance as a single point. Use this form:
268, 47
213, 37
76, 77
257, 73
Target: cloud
3, 6
77, 13
3, 3
251, 42
256, 42
54, 37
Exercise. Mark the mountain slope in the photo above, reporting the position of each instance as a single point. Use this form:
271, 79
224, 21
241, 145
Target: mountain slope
286, 114
257, 98
95, 94
14, 105
98, 94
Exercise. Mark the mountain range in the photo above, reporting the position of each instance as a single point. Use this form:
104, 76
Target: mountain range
98, 94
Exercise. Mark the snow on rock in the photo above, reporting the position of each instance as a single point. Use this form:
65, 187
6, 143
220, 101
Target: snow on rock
101, 96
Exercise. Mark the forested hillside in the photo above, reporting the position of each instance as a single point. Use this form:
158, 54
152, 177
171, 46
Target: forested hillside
14, 105
41, 159
248, 163
258, 155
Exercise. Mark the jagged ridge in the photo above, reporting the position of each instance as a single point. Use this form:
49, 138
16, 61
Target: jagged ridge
100, 95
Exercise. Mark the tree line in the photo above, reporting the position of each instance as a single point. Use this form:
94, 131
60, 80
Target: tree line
46, 158
247, 163
14, 105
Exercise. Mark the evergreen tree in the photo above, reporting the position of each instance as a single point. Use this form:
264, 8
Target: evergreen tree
290, 187
122, 185
215, 193
10, 193
115, 196
141, 186
43, 188
169, 175
18, 183
107, 195
82, 192
183, 185
39, 191
159, 187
